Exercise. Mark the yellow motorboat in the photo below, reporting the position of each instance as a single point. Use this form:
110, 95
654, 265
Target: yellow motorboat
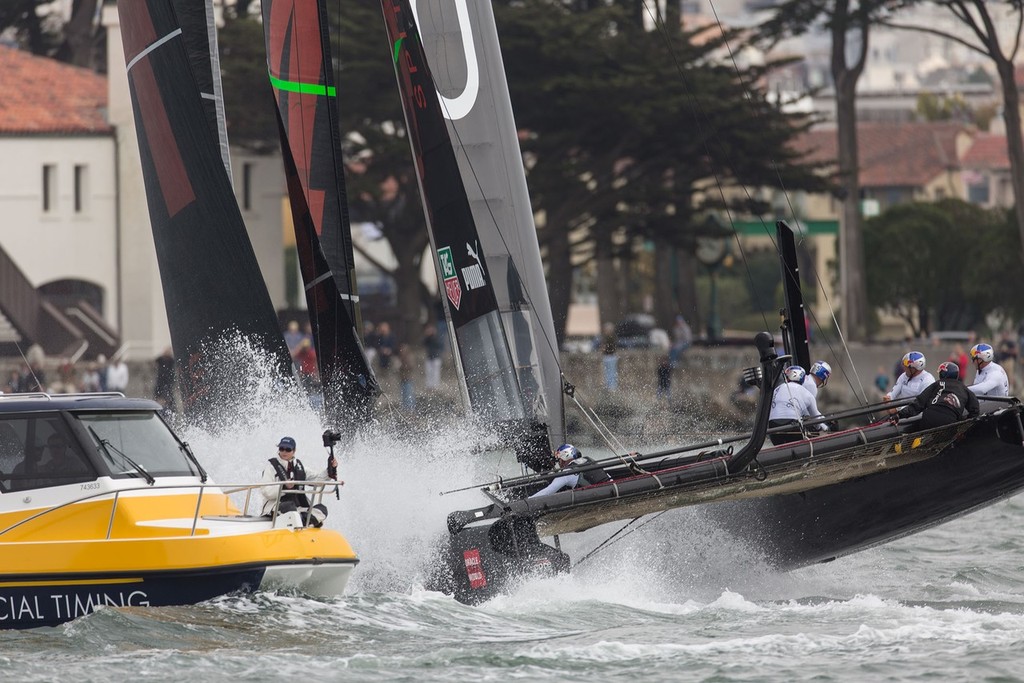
101, 504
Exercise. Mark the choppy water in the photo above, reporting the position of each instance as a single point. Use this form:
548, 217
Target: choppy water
678, 600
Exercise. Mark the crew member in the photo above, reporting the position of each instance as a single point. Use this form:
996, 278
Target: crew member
792, 402
817, 377
991, 379
914, 379
288, 468
569, 459
944, 402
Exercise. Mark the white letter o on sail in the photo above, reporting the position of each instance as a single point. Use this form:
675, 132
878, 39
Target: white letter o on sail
457, 107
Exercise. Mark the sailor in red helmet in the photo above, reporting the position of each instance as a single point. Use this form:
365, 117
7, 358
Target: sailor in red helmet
570, 460
946, 401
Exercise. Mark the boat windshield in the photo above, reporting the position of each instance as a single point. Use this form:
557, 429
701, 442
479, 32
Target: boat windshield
137, 445
39, 452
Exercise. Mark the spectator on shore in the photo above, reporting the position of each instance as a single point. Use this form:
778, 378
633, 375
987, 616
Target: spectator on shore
370, 342
101, 371
117, 375
610, 358
682, 339
386, 346
881, 381
432, 352
959, 356
1006, 355
664, 376
293, 335
405, 373
90, 378
163, 391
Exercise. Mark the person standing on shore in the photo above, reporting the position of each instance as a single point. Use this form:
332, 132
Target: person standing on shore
610, 358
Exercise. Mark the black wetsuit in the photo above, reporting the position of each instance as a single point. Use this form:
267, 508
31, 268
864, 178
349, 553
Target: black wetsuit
943, 402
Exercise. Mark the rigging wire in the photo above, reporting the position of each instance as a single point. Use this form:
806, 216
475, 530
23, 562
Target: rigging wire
663, 31
615, 538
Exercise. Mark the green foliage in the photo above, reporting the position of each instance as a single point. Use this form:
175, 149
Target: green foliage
942, 265
33, 25
248, 99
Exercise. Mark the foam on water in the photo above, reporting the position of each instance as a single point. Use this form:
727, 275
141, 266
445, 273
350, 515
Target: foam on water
677, 597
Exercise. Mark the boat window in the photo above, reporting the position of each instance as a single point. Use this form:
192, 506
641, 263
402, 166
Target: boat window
38, 452
133, 444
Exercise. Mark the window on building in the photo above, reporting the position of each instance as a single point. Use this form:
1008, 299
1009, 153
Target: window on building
247, 173
81, 187
49, 187
978, 193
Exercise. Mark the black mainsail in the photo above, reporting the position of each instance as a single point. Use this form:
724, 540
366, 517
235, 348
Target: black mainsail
468, 283
211, 280
299, 64
460, 40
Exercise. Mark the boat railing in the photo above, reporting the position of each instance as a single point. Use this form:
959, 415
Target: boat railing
315, 489
43, 396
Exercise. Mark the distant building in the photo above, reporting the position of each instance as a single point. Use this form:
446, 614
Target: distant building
75, 223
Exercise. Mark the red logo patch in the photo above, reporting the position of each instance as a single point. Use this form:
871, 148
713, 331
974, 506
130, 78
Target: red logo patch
474, 568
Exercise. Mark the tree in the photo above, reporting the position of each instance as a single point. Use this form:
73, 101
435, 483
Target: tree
984, 39
637, 136
942, 265
849, 23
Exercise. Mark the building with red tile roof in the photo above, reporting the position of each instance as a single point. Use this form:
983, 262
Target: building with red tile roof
44, 96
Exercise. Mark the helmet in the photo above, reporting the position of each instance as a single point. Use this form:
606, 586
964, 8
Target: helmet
982, 352
949, 370
566, 453
822, 371
914, 360
795, 373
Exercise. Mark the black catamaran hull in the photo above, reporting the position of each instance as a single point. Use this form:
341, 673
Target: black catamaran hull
824, 523
798, 504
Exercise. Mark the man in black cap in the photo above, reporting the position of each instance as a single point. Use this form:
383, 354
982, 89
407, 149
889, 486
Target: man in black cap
287, 468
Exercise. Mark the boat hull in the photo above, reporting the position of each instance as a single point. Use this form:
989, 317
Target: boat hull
54, 599
821, 524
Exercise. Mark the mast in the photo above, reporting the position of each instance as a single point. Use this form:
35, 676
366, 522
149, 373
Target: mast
464, 271
211, 280
299, 65
794, 325
460, 40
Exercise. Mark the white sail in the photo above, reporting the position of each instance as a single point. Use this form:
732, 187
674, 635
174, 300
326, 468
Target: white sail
461, 43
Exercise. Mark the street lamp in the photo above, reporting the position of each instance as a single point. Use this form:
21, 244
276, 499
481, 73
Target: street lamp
711, 251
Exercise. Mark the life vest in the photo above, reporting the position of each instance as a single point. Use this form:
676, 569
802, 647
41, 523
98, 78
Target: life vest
591, 477
298, 474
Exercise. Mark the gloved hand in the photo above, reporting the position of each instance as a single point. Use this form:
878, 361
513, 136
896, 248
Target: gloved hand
822, 427
894, 419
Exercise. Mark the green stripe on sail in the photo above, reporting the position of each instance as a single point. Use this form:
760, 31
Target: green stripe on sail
302, 88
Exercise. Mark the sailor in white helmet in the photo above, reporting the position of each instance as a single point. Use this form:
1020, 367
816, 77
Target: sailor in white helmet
914, 379
569, 459
991, 379
791, 402
817, 377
